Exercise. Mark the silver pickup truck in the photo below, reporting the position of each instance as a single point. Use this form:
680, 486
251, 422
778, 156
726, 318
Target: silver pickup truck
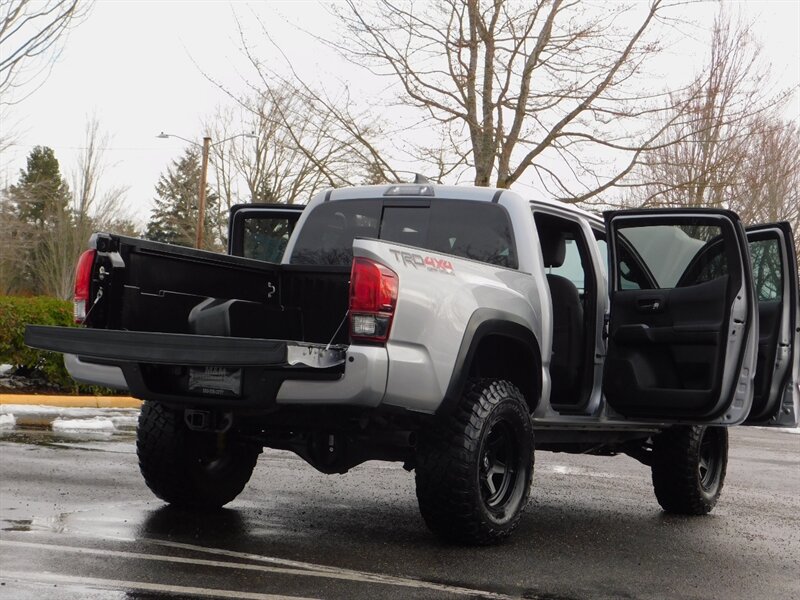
453, 329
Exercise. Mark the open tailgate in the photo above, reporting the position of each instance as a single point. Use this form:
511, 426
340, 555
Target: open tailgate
197, 369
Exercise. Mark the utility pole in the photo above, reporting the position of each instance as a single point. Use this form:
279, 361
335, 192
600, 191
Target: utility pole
201, 205
201, 209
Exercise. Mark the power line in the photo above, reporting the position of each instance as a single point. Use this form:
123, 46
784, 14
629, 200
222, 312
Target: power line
31, 146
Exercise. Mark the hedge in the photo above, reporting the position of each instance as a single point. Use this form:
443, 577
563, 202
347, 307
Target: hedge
15, 313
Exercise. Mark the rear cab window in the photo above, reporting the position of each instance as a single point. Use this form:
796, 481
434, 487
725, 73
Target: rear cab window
468, 229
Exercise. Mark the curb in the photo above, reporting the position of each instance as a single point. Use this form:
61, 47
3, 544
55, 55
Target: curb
72, 401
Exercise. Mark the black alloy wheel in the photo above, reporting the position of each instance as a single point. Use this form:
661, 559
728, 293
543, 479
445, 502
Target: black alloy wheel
498, 466
474, 467
689, 466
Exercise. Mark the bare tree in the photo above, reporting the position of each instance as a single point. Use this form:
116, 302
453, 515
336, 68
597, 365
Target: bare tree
15, 245
308, 138
538, 86
731, 148
711, 127
44, 225
94, 208
769, 183
281, 164
768, 186
31, 35
94, 205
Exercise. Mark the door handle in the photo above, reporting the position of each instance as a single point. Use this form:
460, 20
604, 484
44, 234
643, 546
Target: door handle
650, 305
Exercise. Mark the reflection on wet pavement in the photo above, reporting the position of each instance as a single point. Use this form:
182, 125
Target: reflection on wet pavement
77, 522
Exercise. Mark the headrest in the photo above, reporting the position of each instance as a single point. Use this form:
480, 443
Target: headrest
554, 246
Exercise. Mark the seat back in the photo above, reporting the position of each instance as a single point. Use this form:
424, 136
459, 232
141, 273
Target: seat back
565, 365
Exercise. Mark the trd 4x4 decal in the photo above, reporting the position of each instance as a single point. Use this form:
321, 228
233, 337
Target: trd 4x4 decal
418, 261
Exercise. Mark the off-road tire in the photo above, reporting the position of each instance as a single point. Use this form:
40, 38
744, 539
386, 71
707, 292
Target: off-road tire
188, 468
689, 465
461, 496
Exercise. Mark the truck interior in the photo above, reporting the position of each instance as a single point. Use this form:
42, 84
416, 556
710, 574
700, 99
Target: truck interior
573, 291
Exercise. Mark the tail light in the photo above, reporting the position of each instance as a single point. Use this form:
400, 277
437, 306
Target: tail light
373, 298
83, 282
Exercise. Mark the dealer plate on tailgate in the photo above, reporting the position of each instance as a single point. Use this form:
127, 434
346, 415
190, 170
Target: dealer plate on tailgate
216, 381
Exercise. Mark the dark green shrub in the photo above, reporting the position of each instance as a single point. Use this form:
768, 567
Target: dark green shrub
15, 313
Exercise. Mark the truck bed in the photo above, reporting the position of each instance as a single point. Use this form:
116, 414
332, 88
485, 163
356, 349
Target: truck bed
158, 287
187, 325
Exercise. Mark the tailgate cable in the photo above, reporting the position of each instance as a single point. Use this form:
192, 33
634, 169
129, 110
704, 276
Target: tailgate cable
335, 333
94, 303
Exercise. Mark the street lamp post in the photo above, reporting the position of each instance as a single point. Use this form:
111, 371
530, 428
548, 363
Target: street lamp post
201, 203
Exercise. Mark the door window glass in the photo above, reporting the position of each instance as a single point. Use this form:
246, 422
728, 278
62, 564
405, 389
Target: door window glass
571, 268
767, 269
632, 276
684, 253
265, 238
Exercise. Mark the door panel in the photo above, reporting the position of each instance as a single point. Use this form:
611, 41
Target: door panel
774, 267
682, 347
667, 347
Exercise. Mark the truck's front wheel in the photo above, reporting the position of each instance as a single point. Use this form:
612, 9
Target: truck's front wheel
474, 470
689, 465
189, 468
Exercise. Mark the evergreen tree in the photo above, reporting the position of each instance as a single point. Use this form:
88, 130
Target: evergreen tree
174, 217
38, 211
41, 195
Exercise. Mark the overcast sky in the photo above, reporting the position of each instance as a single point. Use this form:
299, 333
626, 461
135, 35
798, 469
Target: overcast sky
137, 66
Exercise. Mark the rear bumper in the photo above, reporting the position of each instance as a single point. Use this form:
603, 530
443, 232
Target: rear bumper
363, 382
94, 374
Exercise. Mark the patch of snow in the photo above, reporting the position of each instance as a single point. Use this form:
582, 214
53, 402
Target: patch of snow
5, 368
7, 421
43, 410
778, 429
583, 471
125, 422
93, 424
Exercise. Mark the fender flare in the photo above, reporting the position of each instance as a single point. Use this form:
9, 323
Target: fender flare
486, 322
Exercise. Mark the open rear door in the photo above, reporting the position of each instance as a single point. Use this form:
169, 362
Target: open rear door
682, 327
774, 265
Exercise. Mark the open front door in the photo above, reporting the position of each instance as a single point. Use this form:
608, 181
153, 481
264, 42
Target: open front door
774, 266
682, 328
261, 231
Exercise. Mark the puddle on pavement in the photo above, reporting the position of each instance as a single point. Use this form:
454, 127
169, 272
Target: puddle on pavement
48, 524
138, 521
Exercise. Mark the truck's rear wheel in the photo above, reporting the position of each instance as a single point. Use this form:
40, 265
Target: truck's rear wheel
689, 465
474, 470
188, 468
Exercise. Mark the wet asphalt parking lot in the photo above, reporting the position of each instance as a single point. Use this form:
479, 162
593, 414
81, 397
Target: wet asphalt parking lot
77, 522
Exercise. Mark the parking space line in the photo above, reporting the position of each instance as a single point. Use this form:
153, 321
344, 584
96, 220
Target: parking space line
287, 567
364, 576
160, 558
142, 586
